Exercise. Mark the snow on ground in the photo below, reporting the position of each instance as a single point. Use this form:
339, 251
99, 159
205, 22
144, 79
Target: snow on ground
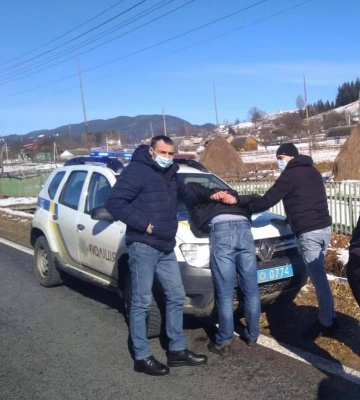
343, 255
15, 166
266, 155
5, 205
17, 200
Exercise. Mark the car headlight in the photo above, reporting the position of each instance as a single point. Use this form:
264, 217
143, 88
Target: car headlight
196, 255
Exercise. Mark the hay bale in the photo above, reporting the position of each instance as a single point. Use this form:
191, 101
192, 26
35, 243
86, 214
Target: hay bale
347, 163
221, 158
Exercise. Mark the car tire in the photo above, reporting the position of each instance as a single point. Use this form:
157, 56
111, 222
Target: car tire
287, 297
44, 263
154, 321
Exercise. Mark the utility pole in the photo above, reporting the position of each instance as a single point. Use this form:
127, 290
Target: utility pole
307, 117
2, 161
84, 110
70, 138
151, 130
164, 123
216, 113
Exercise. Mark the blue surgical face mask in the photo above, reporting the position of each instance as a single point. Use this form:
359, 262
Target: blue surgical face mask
282, 164
163, 162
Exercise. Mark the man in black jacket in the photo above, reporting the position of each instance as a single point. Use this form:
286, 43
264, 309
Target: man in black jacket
144, 198
353, 266
232, 250
301, 188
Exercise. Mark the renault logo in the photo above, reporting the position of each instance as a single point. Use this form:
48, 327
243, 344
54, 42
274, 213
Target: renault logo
265, 250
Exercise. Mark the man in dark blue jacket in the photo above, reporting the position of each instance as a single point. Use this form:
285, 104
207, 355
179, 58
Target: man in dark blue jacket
301, 188
145, 198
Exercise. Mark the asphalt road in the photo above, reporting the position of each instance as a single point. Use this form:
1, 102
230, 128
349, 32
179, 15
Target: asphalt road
71, 342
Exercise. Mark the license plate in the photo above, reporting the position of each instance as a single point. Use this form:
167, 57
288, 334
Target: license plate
275, 273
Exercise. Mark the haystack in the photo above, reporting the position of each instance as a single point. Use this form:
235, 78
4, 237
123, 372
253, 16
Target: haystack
222, 159
347, 163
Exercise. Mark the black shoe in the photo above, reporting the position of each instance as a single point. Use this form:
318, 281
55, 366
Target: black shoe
249, 342
319, 330
151, 366
224, 350
184, 357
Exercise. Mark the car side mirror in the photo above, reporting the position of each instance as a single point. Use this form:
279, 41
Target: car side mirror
101, 214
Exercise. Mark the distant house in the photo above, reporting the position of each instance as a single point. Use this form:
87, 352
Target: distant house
245, 143
187, 144
338, 134
68, 154
38, 150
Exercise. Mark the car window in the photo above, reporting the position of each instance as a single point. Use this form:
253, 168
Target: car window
70, 194
98, 192
54, 184
208, 180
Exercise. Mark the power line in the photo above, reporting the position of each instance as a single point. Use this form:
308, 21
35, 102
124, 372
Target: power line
63, 35
79, 36
165, 41
20, 73
162, 42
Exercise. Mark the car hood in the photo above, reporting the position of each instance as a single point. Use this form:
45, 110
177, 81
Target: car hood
264, 225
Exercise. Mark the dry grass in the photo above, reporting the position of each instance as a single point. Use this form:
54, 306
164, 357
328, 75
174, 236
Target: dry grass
222, 159
347, 162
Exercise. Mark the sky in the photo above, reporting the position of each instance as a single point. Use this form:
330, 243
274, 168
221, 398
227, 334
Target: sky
205, 61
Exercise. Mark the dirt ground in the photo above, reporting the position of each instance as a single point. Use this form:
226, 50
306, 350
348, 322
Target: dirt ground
284, 323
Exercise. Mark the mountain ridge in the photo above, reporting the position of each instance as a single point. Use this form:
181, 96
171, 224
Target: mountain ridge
139, 126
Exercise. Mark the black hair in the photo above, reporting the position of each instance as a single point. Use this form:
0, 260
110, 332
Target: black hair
158, 138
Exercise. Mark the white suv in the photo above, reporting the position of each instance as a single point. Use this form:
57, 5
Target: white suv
73, 233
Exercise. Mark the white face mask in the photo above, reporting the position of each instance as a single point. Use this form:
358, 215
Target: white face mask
282, 164
163, 162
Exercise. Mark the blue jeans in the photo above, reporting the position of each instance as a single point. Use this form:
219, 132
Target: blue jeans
233, 251
145, 263
312, 246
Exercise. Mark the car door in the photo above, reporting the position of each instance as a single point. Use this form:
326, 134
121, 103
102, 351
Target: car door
67, 214
99, 241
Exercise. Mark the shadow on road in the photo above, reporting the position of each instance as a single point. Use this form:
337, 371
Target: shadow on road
286, 323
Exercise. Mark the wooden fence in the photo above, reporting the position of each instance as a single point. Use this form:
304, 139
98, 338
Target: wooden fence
343, 199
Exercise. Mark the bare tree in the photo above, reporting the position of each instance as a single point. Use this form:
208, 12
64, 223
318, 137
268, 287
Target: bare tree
333, 118
291, 125
315, 129
255, 114
267, 136
300, 103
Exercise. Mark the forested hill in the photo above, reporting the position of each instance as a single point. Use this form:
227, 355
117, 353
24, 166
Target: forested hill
139, 127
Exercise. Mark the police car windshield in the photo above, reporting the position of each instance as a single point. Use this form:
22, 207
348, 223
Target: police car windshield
208, 180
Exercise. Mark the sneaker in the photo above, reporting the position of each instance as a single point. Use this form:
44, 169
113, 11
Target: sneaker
223, 350
319, 330
248, 341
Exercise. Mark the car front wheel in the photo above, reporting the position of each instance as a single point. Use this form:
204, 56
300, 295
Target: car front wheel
44, 263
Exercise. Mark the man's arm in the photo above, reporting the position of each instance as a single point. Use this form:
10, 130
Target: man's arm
234, 198
119, 202
281, 188
255, 202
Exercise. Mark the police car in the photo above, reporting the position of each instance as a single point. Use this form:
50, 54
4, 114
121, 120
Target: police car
72, 233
